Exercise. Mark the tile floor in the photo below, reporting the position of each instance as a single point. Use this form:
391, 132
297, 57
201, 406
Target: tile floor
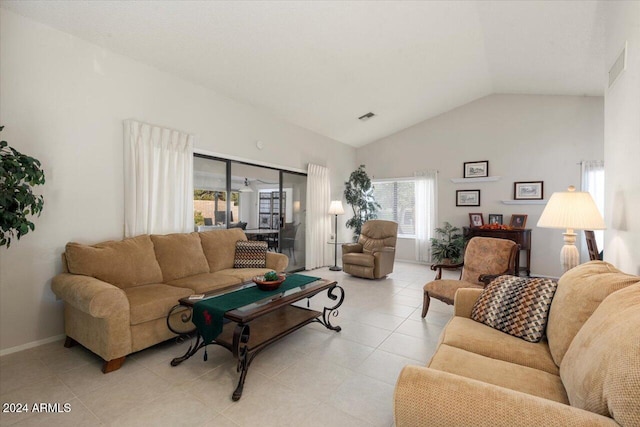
314, 377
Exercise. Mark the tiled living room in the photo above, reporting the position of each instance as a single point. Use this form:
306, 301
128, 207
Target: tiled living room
264, 117
313, 377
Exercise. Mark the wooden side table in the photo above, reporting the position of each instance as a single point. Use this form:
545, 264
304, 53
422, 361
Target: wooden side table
520, 236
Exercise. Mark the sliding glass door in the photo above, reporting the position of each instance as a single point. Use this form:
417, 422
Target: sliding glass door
292, 231
267, 203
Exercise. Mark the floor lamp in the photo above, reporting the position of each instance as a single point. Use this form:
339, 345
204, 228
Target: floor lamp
571, 210
336, 209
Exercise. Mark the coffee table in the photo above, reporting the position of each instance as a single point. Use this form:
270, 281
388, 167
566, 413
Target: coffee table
250, 329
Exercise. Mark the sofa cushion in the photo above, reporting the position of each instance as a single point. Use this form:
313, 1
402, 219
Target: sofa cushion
219, 247
365, 260
179, 255
478, 338
202, 283
243, 274
124, 263
498, 372
250, 254
518, 306
601, 368
580, 291
150, 302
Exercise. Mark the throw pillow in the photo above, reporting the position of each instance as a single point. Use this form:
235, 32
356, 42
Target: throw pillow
518, 306
250, 254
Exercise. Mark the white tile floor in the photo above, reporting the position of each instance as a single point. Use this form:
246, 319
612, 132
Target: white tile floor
314, 377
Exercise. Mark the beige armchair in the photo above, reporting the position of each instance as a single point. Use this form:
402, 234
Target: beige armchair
484, 258
372, 257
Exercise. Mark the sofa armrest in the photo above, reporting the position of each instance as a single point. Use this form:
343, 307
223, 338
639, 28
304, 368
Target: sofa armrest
277, 262
90, 295
348, 248
427, 397
464, 300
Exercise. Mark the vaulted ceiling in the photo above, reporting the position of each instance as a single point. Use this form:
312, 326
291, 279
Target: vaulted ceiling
322, 64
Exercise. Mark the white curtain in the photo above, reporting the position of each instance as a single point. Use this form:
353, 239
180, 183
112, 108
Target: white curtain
425, 213
593, 182
158, 180
318, 219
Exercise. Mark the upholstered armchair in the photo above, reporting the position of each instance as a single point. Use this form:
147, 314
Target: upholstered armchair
484, 258
372, 257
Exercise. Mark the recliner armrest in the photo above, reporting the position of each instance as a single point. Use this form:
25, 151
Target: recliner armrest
389, 249
428, 397
348, 248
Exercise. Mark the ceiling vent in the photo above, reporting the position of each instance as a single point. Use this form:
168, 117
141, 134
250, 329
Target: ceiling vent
619, 66
366, 116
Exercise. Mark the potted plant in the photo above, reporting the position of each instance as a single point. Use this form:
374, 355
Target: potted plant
19, 173
358, 193
447, 248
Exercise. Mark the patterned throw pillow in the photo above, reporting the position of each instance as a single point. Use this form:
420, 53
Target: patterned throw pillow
250, 254
518, 306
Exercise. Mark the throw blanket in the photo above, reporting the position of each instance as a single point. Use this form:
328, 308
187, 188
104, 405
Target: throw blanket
208, 314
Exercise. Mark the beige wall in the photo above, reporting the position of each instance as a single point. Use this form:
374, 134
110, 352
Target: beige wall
622, 139
63, 102
524, 138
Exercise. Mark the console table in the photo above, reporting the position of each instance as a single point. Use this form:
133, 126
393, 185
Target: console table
520, 236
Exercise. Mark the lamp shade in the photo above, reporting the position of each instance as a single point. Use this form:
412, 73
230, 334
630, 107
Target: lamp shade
336, 207
573, 210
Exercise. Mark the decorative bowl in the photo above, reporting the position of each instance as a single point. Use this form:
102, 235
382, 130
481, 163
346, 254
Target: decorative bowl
269, 285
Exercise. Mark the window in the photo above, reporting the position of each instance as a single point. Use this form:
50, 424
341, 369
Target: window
593, 182
397, 201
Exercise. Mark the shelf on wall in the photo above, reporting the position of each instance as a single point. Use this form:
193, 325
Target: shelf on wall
524, 202
469, 180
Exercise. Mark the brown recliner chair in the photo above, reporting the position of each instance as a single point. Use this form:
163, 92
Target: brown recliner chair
372, 257
484, 259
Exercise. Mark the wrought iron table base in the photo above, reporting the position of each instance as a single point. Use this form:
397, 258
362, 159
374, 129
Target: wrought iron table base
240, 345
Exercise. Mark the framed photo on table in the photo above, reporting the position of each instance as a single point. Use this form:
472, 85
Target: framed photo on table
532, 190
478, 169
476, 220
495, 219
468, 198
518, 220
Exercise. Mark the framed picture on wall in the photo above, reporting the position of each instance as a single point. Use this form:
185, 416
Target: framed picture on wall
495, 219
478, 169
532, 190
518, 220
476, 220
468, 198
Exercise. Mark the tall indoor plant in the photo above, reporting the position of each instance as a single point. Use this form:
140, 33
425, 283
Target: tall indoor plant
19, 173
447, 248
358, 193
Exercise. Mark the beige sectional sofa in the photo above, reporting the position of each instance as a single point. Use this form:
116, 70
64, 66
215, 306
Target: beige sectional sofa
585, 373
117, 294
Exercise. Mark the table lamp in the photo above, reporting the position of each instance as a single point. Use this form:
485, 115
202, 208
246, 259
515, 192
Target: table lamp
336, 209
571, 210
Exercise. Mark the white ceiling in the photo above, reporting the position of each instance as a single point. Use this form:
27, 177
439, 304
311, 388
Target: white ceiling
322, 64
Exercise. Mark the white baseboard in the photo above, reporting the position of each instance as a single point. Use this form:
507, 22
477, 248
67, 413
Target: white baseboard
31, 345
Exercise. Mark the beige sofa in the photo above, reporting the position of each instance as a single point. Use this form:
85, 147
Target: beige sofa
586, 373
117, 294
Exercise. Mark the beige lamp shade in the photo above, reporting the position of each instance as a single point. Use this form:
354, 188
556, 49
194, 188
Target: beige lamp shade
336, 207
573, 210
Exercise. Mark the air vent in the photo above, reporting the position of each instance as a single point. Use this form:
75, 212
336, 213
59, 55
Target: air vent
619, 66
366, 116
